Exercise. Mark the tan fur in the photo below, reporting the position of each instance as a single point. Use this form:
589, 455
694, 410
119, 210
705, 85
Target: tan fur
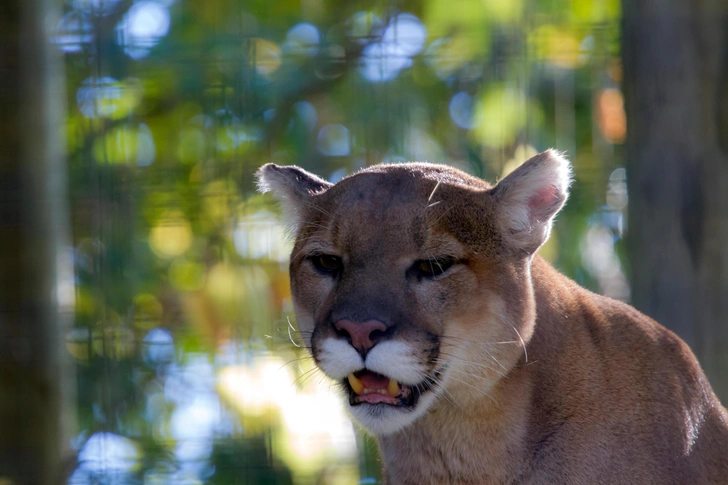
542, 381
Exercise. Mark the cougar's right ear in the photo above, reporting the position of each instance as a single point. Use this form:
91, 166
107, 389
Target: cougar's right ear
292, 186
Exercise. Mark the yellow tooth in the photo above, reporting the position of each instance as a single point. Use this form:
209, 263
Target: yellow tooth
356, 384
393, 388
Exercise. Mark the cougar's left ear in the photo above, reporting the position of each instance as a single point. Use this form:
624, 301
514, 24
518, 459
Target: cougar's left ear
292, 186
528, 199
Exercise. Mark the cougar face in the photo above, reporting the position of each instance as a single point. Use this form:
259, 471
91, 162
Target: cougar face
410, 281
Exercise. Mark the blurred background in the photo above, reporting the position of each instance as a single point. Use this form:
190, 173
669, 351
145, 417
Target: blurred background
146, 332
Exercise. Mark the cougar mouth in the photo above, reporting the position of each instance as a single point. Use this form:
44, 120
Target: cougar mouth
367, 387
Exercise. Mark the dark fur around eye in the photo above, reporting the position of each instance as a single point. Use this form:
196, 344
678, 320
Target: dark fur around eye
326, 264
432, 267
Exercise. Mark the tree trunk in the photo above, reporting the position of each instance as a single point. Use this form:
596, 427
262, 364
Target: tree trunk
36, 276
676, 88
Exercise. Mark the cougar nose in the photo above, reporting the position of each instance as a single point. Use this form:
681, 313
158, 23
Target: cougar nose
362, 336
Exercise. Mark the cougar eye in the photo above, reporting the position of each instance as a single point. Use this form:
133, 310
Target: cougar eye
430, 268
326, 263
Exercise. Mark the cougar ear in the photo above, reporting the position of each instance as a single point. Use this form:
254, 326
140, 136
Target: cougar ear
292, 186
528, 199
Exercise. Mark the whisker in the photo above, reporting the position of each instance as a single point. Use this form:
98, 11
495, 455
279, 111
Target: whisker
433, 190
475, 364
477, 389
476, 376
314, 224
295, 256
496, 360
294, 360
284, 340
430, 259
480, 343
470, 364
305, 373
307, 238
322, 378
310, 376
435, 386
450, 344
452, 399
290, 327
522, 342
440, 217
448, 397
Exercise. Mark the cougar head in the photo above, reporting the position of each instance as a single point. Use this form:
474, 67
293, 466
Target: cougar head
411, 282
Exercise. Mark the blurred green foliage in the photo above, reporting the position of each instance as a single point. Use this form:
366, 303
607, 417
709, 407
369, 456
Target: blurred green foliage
181, 280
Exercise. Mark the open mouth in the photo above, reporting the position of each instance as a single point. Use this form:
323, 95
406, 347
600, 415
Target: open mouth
369, 387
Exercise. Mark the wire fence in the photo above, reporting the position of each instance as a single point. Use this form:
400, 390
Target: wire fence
188, 370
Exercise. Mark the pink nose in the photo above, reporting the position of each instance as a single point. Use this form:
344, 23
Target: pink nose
363, 336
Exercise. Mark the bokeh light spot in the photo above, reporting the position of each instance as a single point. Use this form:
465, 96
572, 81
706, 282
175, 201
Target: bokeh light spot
126, 144
259, 235
617, 196
461, 110
612, 119
403, 38
220, 198
406, 34
445, 56
142, 27
309, 414
109, 451
362, 25
77, 342
265, 56
303, 39
333, 141
306, 113
337, 175
147, 311
504, 10
499, 115
158, 347
225, 282
73, 32
557, 45
114, 341
107, 97
171, 236
382, 62
96, 7
600, 259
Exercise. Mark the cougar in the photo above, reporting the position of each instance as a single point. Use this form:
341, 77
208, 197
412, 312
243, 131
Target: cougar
417, 288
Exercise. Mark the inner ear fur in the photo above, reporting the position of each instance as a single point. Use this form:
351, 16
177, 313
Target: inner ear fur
292, 186
528, 199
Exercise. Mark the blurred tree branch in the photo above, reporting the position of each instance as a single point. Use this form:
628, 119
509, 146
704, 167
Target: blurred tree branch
676, 87
35, 275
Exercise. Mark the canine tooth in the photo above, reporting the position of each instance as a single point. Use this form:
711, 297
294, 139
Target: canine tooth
393, 388
356, 384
